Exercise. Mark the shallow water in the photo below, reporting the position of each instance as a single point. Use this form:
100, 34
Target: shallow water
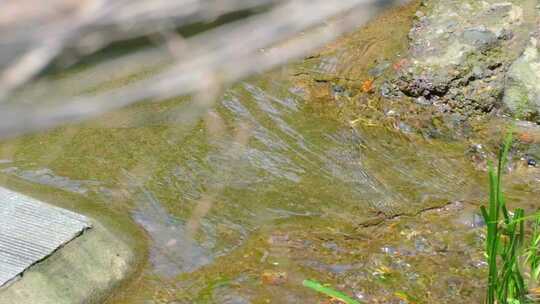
261, 161
241, 203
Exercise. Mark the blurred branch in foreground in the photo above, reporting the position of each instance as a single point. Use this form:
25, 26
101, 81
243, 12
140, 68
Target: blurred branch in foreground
36, 37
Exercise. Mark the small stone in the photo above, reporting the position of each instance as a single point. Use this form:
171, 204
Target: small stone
505, 34
389, 250
422, 245
477, 221
379, 69
171, 243
500, 8
423, 101
387, 91
479, 37
331, 246
531, 162
405, 127
477, 72
270, 277
391, 113
338, 90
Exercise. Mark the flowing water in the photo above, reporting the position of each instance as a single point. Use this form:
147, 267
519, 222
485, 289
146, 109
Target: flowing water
242, 203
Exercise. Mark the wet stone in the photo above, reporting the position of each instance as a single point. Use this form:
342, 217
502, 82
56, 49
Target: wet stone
405, 128
423, 101
379, 69
422, 245
389, 250
389, 91
477, 72
454, 56
479, 37
477, 221
522, 92
271, 277
338, 90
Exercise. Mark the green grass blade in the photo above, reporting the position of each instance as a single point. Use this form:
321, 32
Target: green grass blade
492, 216
485, 214
329, 292
503, 157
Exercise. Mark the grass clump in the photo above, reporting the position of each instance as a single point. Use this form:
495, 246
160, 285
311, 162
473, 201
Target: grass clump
507, 253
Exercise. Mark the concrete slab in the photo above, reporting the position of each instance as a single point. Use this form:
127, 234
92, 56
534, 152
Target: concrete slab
83, 270
31, 230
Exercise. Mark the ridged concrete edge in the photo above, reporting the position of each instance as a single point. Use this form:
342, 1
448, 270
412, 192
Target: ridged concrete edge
84, 271
31, 230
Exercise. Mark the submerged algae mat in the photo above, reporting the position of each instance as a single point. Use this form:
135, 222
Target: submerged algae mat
218, 199
265, 190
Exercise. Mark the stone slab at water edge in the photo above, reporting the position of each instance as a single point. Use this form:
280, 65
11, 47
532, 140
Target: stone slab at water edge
31, 230
50, 255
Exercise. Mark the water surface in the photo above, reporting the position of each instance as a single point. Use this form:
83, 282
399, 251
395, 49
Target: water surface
240, 202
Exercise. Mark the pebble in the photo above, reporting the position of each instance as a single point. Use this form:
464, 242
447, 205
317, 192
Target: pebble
405, 127
423, 101
391, 113
274, 277
477, 72
531, 162
389, 250
479, 37
379, 69
386, 91
338, 90
477, 221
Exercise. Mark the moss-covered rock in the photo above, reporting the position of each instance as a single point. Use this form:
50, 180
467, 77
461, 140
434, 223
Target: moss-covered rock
460, 51
522, 95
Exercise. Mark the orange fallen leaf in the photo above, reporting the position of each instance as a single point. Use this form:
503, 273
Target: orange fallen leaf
367, 86
399, 64
526, 138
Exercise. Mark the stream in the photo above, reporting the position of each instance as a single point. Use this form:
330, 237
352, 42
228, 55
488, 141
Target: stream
266, 189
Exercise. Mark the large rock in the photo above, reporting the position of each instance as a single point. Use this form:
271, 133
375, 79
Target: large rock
522, 95
460, 51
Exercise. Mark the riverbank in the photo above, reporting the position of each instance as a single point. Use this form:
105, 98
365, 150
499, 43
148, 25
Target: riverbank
438, 74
